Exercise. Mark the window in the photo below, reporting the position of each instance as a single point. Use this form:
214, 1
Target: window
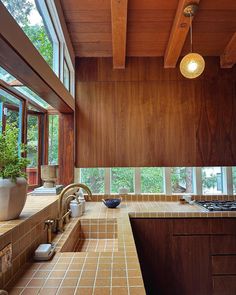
66, 76
122, 178
53, 139
40, 22
33, 149
182, 180
234, 179
10, 112
152, 180
32, 23
32, 95
212, 180
93, 178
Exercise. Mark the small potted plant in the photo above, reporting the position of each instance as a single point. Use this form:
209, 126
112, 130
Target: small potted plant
13, 183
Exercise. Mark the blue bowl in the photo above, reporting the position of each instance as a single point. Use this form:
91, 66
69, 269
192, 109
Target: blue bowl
112, 203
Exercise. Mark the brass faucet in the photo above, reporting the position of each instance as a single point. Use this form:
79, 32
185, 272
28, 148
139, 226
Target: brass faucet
64, 213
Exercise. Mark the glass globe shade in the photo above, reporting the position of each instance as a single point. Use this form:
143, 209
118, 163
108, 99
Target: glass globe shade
192, 65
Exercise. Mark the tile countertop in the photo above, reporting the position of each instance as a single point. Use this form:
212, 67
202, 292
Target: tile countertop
32, 206
92, 273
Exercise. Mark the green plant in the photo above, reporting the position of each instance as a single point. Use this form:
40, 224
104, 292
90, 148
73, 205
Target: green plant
11, 165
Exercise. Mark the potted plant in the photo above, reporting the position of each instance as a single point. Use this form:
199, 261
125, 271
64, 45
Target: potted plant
13, 183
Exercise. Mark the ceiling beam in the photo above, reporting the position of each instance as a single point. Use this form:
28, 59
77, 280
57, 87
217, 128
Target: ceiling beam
119, 28
228, 58
178, 35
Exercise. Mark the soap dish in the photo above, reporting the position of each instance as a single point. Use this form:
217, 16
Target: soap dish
112, 203
44, 252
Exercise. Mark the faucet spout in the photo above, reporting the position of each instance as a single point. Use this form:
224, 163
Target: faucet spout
63, 194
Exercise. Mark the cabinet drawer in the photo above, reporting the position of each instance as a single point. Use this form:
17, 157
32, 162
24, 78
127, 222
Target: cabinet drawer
224, 285
188, 226
223, 245
224, 264
204, 226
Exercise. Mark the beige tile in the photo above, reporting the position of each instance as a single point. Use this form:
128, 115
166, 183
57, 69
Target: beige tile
73, 273
137, 291
102, 291
48, 291
69, 282
57, 274
86, 282
84, 291
66, 291
119, 282
52, 283
36, 283
103, 282
30, 291
135, 282
15, 291
119, 291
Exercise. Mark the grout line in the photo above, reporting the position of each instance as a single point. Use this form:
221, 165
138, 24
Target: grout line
77, 285
62, 279
95, 278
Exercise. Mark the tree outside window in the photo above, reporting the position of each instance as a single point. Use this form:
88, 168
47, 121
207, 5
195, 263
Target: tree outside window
28, 18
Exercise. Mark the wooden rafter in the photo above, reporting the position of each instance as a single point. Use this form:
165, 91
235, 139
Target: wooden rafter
119, 27
178, 35
228, 58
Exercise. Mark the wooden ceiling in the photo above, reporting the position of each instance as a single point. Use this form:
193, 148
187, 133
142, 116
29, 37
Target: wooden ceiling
102, 28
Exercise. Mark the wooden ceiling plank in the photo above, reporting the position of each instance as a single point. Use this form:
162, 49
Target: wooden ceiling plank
228, 58
178, 35
119, 28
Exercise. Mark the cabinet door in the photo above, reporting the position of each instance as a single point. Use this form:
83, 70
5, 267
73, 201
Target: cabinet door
191, 265
153, 243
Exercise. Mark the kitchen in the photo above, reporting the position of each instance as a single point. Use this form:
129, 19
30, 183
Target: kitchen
131, 124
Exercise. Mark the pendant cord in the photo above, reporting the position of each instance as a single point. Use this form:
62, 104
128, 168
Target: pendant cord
191, 33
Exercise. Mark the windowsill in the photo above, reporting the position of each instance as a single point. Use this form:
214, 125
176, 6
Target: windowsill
33, 205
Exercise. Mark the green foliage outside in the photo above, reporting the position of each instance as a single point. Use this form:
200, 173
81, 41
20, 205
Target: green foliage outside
152, 180
21, 10
53, 139
209, 181
32, 141
94, 179
234, 179
11, 165
122, 178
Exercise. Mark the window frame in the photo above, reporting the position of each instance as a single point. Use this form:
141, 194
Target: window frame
42, 121
197, 182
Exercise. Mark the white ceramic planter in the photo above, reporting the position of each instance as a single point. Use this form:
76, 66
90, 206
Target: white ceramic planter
12, 198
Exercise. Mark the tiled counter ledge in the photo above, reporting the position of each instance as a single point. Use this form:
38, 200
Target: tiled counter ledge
25, 233
116, 271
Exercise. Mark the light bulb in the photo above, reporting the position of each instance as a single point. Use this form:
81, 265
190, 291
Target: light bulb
192, 65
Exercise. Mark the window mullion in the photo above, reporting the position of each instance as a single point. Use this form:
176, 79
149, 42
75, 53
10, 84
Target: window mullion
137, 180
167, 181
227, 180
107, 181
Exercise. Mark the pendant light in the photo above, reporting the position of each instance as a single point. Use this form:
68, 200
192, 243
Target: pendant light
192, 65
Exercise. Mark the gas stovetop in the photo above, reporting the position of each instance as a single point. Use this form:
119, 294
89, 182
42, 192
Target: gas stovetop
218, 205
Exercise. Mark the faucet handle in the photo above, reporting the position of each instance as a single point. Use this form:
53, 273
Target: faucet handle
48, 223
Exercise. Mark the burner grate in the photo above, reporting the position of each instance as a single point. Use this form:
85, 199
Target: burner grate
218, 205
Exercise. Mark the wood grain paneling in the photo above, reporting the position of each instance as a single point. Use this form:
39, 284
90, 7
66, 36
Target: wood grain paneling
224, 265
147, 116
224, 285
66, 149
149, 26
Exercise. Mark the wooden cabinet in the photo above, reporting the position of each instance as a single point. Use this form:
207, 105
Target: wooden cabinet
189, 256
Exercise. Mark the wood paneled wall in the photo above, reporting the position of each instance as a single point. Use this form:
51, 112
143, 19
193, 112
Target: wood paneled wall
66, 148
146, 115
